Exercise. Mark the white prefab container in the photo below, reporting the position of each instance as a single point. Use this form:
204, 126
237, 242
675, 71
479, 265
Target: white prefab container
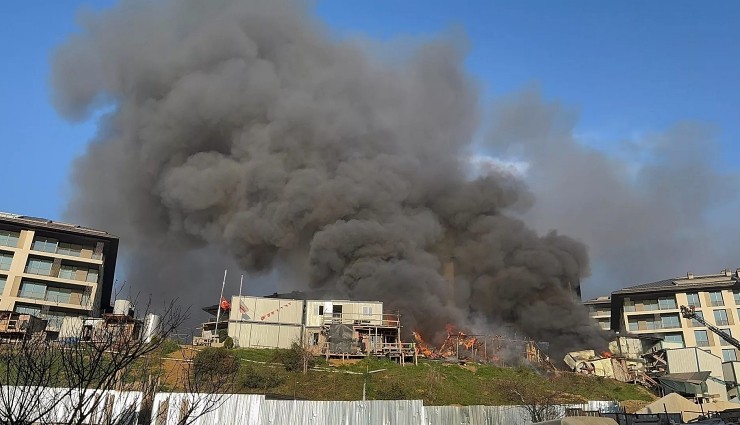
266, 310
365, 312
264, 335
731, 372
692, 359
71, 327
121, 307
151, 327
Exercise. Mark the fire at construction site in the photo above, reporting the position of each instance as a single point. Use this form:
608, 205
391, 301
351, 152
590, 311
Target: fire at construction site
494, 349
311, 162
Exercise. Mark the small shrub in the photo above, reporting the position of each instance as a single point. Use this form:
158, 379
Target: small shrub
222, 334
168, 346
294, 358
257, 379
392, 392
229, 343
214, 362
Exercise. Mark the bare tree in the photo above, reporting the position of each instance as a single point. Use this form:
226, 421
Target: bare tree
104, 374
542, 400
29, 371
203, 381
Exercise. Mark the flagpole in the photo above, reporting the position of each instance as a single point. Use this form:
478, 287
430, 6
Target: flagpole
218, 313
241, 315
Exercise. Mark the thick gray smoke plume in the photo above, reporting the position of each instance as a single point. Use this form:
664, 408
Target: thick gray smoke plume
243, 130
665, 207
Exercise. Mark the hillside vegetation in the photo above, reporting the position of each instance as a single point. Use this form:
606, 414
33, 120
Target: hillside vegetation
434, 382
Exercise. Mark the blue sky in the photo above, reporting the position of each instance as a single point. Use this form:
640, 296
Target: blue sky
628, 67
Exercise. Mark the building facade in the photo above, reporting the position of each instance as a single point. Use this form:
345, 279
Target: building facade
52, 270
600, 309
654, 309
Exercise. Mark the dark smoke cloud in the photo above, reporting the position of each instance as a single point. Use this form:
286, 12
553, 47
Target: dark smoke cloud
244, 130
664, 204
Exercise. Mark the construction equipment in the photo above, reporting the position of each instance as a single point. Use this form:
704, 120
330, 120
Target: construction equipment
690, 313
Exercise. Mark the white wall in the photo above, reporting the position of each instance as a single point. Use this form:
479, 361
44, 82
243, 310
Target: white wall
264, 335
692, 359
267, 310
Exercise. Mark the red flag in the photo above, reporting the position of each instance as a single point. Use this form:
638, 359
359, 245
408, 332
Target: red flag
225, 305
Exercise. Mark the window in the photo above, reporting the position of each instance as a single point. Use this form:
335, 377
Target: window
629, 305
24, 309
728, 331
8, 238
715, 298
44, 244
3, 280
367, 311
729, 355
693, 299
67, 272
58, 295
650, 305
736, 294
696, 324
674, 339
69, 249
720, 317
92, 275
633, 325
321, 310
667, 303
668, 321
702, 339
38, 266
5, 259
32, 290
604, 324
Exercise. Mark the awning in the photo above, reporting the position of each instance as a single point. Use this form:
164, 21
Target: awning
685, 383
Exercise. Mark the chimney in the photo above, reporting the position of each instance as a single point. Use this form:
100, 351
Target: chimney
689, 275
737, 273
727, 272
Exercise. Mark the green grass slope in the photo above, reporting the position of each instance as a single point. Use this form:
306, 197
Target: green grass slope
436, 383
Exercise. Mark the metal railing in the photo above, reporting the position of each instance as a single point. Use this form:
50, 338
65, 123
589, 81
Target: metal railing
388, 320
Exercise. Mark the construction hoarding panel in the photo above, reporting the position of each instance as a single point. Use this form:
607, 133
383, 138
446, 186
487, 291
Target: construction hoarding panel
376, 412
60, 405
206, 409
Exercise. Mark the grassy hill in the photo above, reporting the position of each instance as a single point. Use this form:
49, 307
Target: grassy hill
436, 383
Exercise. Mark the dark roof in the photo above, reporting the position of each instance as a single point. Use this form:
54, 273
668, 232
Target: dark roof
681, 283
690, 377
318, 294
43, 223
600, 300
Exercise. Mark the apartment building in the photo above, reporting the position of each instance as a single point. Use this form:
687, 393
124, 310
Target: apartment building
653, 308
600, 309
52, 269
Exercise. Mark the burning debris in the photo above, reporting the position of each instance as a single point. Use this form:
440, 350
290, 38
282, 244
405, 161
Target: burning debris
496, 349
245, 128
